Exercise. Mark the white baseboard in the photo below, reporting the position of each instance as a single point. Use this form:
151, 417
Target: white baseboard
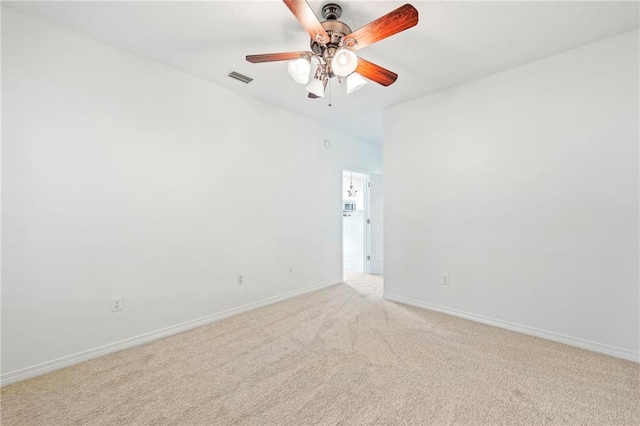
66, 361
549, 335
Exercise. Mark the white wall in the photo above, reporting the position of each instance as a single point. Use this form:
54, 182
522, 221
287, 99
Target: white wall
125, 178
525, 190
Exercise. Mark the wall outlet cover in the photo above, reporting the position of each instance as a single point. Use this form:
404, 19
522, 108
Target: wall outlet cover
117, 304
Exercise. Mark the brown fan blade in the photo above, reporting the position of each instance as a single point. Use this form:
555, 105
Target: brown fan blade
272, 57
309, 21
392, 23
375, 72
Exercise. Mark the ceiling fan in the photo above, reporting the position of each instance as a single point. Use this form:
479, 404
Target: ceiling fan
333, 45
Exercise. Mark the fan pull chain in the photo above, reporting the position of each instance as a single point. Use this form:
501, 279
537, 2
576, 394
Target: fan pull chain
330, 92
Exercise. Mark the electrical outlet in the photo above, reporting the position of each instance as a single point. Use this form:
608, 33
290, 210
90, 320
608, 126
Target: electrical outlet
446, 279
117, 304
240, 279
291, 269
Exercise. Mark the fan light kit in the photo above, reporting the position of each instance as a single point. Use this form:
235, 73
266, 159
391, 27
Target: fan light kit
333, 47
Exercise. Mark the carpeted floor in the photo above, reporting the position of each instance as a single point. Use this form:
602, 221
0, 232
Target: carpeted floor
337, 356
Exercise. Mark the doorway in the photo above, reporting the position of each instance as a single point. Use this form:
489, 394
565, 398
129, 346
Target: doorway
362, 242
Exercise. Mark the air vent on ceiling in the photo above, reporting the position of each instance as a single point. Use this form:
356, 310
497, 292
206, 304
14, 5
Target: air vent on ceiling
240, 77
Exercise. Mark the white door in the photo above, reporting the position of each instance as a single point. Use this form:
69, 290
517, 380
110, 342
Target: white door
375, 231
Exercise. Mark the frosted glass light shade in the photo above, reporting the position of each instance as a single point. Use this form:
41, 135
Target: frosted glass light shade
344, 62
354, 82
299, 70
316, 87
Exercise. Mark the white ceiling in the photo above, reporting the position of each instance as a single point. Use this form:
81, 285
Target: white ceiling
454, 42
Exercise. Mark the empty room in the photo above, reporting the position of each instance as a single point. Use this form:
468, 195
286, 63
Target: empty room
283, 212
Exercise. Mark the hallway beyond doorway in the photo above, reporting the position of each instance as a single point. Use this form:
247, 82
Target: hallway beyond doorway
354, 215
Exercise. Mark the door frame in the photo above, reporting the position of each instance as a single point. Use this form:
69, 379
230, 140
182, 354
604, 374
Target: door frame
366, 249
376, 219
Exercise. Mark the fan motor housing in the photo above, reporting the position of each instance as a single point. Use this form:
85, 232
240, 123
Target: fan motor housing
336, 30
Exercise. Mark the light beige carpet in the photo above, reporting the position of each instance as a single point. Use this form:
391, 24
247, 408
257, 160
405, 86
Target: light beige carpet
338, 356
